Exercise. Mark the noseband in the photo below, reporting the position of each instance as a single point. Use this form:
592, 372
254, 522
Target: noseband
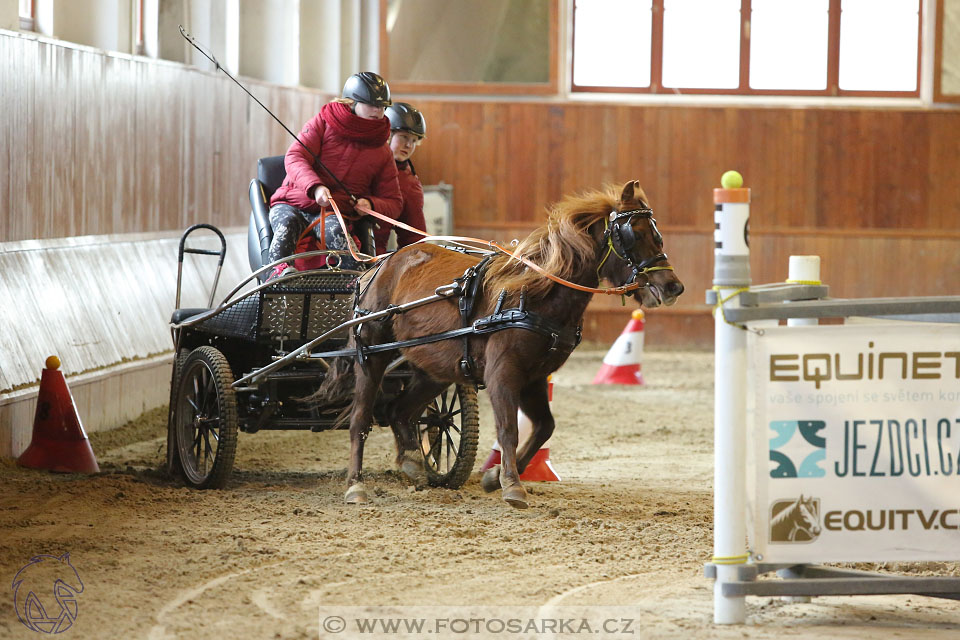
620, 239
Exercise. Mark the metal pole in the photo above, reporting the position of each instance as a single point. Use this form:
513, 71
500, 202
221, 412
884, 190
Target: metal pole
803, 270
731, 274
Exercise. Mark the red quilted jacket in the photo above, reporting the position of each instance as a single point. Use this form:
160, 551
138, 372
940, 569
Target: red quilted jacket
412, 213
355, 150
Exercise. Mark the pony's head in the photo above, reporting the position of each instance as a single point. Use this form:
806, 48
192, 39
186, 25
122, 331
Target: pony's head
598, 234
631, 234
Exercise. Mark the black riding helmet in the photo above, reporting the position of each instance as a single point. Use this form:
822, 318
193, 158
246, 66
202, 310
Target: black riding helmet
404, 117
367, 87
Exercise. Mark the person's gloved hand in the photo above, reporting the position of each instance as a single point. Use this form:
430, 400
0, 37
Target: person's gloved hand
322, 195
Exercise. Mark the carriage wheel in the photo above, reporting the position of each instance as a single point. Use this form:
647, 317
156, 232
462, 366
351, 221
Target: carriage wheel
173, 458
448, 432
206, 419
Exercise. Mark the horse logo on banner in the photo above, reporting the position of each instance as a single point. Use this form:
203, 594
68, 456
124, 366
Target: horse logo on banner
795, 520
45, 593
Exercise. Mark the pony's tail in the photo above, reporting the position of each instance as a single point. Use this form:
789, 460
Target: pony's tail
337, 387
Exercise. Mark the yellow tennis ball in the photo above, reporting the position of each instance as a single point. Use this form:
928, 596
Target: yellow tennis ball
53, 362
731, 180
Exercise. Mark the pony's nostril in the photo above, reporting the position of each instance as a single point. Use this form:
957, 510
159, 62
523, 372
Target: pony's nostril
674, 289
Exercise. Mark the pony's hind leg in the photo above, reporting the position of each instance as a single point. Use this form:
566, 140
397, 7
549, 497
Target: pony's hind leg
361, 420
408, 407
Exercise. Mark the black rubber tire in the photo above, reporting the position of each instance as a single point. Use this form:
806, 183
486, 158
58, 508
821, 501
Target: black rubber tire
206, 414
174, 469
450, 424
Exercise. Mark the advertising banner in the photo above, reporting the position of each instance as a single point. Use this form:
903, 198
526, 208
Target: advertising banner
854, 442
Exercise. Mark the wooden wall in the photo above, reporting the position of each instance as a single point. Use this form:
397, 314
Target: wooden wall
873, 191
92, 143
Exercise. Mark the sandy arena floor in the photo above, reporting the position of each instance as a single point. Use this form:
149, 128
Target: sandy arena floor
630, 524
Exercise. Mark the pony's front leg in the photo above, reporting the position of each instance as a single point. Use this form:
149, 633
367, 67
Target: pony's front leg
535, 404
505, 410
361, 420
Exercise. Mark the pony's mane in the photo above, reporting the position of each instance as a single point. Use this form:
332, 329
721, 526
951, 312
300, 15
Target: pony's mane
561, 246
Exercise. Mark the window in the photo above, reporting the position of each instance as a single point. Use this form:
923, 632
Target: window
26, 15
469, 46
799, 47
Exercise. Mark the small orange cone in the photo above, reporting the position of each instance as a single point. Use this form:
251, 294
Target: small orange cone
622, 363
59, 442
540, 468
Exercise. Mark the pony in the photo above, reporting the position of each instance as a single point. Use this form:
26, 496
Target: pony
594, 236
796, 522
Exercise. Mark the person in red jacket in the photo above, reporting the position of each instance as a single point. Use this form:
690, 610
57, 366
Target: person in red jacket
407, 130
350, 136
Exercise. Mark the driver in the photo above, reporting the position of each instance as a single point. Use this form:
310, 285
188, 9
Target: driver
350, 137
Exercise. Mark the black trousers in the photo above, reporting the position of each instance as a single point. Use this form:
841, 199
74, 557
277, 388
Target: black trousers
288, 225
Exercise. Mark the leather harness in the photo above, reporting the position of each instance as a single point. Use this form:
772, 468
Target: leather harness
561, 338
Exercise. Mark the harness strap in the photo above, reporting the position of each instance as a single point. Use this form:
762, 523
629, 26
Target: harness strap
565, 339
469, 285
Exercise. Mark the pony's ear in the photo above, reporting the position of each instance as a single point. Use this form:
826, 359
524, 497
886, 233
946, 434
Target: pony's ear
629, 192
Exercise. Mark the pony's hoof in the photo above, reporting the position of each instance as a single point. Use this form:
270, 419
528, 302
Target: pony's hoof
516, 497
356, 494
413, 469
491, 479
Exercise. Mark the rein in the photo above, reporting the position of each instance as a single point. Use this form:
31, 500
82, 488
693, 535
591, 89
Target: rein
613, 291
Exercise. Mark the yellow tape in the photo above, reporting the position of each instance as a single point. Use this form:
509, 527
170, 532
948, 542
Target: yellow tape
720, 302
813, 282
731, 559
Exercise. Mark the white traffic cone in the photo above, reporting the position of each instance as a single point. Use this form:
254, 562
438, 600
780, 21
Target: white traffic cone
622, 363
540, 468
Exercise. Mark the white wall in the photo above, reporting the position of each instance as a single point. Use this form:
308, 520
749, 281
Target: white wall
9, 15
270, 40
312, 43
106, 24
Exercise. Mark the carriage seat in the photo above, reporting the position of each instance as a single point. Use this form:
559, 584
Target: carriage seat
270, 175
180, 315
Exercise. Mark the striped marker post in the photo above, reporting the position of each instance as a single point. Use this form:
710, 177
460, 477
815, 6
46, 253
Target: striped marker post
731, 275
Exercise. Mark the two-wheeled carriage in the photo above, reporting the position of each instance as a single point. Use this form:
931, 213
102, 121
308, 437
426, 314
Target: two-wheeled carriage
246, 363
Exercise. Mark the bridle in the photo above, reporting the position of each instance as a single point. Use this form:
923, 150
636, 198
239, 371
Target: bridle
620, 239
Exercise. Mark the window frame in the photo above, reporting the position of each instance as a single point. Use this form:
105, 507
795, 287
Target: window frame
743, 89
550, 87
27, 22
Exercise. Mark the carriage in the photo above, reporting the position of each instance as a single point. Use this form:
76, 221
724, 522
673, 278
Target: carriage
247, 363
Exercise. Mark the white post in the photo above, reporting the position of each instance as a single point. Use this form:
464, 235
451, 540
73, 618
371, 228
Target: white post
731, 273
803, 270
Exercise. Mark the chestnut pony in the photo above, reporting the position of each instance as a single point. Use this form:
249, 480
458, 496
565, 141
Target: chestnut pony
588, 238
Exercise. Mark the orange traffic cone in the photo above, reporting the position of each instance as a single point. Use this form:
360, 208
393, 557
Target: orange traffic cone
59, 442
622, 363
540, 468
